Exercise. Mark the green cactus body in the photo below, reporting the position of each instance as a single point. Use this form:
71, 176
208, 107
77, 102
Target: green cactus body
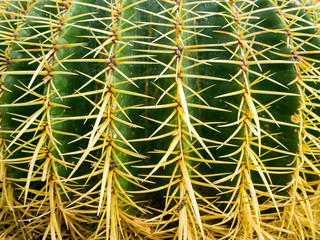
163, 119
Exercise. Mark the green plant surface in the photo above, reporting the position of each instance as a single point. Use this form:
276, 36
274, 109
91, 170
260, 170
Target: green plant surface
159, 119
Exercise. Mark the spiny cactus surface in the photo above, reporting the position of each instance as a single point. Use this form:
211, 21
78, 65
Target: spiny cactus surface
159, 119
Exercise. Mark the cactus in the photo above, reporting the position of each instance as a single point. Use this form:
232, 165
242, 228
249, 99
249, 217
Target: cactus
153, 119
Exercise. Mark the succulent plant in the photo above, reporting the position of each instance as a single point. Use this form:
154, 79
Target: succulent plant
159, 119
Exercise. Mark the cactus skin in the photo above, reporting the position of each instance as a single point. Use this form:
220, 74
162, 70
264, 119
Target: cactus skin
163, 119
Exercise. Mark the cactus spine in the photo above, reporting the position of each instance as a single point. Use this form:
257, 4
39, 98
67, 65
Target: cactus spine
163, 119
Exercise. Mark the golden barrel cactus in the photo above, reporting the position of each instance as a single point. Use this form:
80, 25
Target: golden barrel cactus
159, 119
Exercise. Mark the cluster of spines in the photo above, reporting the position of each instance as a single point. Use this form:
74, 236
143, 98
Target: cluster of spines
174, 47
48, 203
43, 210
303, 193
46, 156
106, 136
244, 208
250, 155
12, 19
303, 41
